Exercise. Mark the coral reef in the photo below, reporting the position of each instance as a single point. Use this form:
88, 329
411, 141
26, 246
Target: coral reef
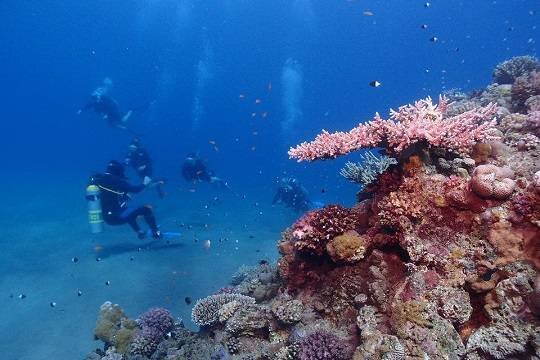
208, 311
422, 122
440, 261
508, 71
525, 87
367, 171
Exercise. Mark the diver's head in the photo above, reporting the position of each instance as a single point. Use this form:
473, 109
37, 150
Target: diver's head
115, 168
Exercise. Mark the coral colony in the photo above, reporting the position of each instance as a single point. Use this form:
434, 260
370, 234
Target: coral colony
439, 262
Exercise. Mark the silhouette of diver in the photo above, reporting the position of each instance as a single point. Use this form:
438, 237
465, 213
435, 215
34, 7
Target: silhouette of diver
292, 194
106, 106
139, 159
194, 170
115, 193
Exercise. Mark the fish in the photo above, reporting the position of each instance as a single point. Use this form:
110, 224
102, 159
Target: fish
79, 293
270, 86
423, 26
107, 283
187, 299
368, 13
22, 296
434, 39
258, 101
52, 304
207, 244
75, 259
241, 96
428, 4
98, 259
375, 83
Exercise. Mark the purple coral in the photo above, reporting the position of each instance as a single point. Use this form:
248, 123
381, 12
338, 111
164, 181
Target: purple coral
157, 318
323, 345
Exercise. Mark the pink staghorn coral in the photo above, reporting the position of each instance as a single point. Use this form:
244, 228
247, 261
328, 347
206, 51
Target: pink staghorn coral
411, 124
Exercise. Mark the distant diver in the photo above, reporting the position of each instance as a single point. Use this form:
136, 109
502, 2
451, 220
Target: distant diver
292, 194
115, 193
106, 106
139, 159
194, 170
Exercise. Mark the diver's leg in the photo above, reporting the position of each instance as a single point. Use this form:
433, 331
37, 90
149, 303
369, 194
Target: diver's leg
130, 217
149, 218
126, 117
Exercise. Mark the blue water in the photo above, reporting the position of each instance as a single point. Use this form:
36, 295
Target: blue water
251, 77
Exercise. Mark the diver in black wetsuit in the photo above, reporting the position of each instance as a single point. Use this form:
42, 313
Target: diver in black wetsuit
292, 194
194, 170
106, 106
139, 159
114, 194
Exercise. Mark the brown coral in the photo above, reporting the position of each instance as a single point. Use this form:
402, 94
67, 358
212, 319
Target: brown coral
349, 247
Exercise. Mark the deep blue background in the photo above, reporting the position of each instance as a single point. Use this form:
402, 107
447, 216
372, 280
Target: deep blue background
54, 53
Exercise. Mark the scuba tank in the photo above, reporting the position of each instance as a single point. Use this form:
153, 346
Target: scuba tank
95, 216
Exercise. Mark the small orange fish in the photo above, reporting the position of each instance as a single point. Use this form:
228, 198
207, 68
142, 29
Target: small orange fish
368, 13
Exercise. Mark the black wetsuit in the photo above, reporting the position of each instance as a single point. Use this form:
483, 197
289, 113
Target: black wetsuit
140, 161
105, 106
194, 170
293, 195
114, 197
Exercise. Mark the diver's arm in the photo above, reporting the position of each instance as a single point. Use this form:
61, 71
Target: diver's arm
86, 107
134, 189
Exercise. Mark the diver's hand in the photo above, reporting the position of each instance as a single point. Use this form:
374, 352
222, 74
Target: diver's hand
147, 181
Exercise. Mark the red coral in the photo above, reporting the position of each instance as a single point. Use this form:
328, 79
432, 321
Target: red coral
313, 230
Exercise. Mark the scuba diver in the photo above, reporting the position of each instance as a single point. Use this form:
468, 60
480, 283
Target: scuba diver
106, 106
115, 193
292, 194
138, 158
194, 170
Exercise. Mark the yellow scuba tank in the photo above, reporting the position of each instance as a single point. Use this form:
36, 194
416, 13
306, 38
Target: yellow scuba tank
95, 216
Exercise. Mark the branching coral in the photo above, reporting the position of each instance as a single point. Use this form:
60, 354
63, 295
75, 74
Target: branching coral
367, 171
322, 345
422, 122
525, 86
207, 311
508, 71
